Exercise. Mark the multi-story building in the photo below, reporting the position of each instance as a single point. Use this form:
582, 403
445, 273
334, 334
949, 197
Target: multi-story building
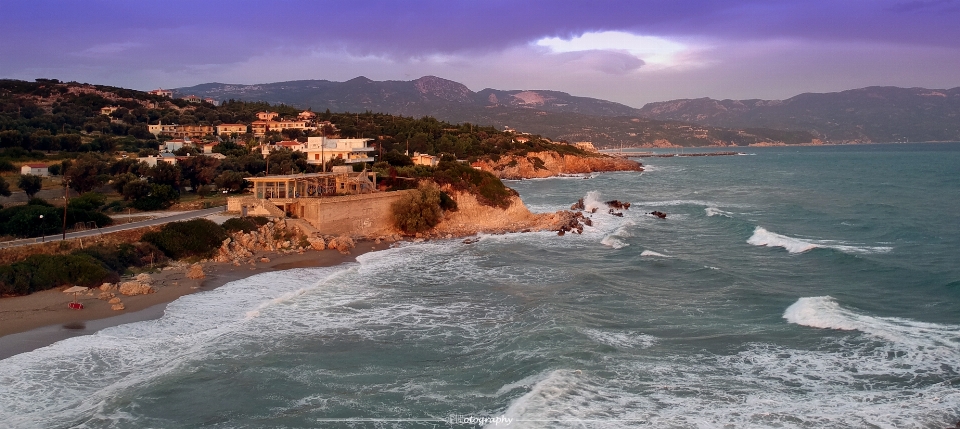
162, 92
228, 129
293, 145
262, 127
181, 131
322, 149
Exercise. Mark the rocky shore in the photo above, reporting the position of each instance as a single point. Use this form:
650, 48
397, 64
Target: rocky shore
549, 164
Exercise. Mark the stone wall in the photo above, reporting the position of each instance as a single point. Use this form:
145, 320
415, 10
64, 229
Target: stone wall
360, 215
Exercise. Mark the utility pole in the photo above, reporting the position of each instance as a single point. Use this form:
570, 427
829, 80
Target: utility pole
66, 202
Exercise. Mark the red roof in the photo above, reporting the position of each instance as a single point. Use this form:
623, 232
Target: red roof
37, 165
289, 143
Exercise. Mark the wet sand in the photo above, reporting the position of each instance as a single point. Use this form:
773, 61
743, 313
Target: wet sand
43, 318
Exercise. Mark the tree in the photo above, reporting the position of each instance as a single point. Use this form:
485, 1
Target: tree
418, 211
199, 171
165, 173
4, 188
231, 180
86, 174
30, 184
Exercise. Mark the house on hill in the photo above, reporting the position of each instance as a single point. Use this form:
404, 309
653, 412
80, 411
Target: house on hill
267, 116
162, 92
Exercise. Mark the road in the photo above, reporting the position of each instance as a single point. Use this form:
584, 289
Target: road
132, 225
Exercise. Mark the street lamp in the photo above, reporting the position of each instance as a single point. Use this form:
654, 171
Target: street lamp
42, 235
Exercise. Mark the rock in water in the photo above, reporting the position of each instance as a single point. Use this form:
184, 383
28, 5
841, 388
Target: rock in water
196, 272
659, 214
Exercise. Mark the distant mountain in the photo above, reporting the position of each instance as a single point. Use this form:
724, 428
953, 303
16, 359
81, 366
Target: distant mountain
423, 96
873, 114
552, 114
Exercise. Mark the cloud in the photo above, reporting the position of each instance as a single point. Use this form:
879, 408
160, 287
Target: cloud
108, 49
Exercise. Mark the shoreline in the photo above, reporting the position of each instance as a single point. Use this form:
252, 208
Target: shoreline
40, 319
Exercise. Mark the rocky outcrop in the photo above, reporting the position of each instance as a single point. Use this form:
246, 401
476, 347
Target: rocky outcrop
136, 288
272, 237
195, 272
472, 217
549, 164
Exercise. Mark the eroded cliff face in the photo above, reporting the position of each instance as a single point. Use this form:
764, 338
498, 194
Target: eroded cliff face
548, 164
472, 217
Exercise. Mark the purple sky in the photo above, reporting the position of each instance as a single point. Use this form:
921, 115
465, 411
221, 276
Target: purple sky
631, 52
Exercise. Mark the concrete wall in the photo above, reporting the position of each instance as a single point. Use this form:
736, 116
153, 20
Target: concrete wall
367, 214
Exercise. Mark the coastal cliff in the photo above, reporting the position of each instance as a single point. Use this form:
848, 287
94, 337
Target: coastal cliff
549, 164
472, 217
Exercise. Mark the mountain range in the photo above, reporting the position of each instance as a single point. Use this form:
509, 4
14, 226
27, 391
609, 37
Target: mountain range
873, 114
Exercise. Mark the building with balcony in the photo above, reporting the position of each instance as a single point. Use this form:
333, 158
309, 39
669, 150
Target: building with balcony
322, 149
229, 129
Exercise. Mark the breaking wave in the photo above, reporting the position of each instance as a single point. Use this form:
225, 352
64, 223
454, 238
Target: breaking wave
762, 237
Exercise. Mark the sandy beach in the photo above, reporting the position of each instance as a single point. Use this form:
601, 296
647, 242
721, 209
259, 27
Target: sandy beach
43, 318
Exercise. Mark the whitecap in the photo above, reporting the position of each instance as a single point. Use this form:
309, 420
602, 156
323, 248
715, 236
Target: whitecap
762, 237
713, 211
825, 313
620, 339
613, 242
652, 253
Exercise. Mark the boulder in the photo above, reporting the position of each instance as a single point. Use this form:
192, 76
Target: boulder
344, 244
659, 214
317, 243
196, 272
264, 259
144, 278
108, 287
106, 296
117, 307
115, 300
136, 288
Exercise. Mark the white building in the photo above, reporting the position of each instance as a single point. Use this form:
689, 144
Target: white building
322, 149
35, 169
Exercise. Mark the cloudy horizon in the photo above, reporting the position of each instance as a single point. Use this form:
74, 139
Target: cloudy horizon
628, 52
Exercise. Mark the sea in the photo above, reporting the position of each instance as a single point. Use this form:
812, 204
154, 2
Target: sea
789, 287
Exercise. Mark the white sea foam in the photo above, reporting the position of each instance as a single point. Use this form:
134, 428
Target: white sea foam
652, 253
620, 339
762, 237
824, 312
713, 211
613, 242
592, 201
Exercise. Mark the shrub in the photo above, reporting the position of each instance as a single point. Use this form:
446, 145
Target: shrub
236, 224
41, 272
124, 255
198, 238
75, 216
91, 201
25, 221
418, 211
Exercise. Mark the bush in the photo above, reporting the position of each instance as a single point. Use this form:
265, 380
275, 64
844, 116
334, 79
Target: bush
198, 238
487, 187
236, 224
124, 255
418, 211
91, 201
75, 216
41, 272
25, 221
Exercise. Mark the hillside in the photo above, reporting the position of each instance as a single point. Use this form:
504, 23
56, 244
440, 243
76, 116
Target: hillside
554, 114
873, 114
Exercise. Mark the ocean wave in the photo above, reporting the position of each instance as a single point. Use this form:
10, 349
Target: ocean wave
620, 340
825, 313
762, 237
713, 211
652, 253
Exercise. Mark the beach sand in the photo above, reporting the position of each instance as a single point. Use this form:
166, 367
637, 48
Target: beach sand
43, 318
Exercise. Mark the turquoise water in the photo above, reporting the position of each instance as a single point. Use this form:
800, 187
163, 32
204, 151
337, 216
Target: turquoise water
794, 287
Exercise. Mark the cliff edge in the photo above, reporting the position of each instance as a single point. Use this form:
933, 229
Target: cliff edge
549, 164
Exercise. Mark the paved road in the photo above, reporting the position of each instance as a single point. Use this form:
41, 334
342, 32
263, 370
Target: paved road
132, 225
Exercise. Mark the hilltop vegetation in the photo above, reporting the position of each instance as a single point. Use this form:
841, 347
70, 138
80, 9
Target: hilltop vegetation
549, 113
